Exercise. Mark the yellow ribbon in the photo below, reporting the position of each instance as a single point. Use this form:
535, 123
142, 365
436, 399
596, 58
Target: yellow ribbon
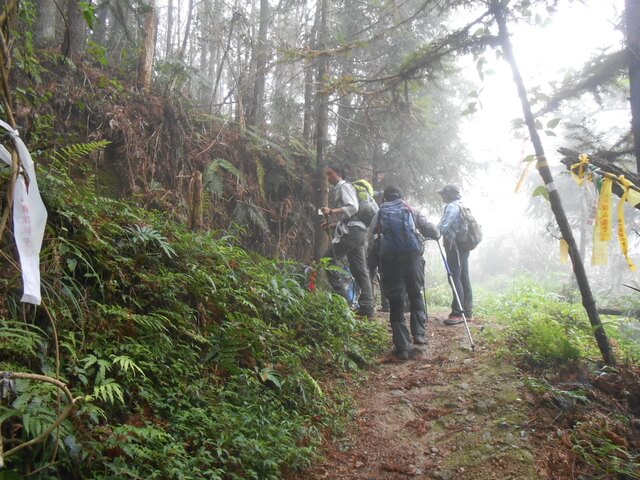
602, 228
633, 198
622, 230
564, 251
581, 166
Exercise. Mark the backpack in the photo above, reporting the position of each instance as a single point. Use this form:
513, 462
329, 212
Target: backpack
470, 234
397, 227
367, 206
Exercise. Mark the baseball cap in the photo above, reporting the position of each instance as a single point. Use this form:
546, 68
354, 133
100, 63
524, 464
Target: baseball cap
451, 190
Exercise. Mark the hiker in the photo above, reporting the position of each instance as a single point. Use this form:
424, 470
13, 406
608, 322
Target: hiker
372, 263
400, 244
349, 238
457, 256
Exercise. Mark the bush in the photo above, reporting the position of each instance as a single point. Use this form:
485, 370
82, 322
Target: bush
190, 354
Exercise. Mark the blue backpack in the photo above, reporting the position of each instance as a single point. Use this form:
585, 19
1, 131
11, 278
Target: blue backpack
397, 227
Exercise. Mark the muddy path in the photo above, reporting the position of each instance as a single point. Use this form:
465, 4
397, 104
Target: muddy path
448, 413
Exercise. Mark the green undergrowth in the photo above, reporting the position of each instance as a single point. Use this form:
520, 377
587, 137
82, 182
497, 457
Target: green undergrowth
595, 406
192, 357
543, 329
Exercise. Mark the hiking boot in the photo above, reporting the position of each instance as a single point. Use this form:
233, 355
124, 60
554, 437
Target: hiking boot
402, 356
365, 312
419, 340
453, 320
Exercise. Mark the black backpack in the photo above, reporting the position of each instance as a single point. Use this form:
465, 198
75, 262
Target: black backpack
470, 234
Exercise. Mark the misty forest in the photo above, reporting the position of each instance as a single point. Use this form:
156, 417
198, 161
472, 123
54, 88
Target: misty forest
176, 303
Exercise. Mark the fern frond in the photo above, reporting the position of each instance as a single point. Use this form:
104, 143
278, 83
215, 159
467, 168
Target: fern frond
109, 392
213, 182
72, 153
249, 213
126, 364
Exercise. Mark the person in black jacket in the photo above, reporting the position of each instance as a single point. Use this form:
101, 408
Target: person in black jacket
403, 273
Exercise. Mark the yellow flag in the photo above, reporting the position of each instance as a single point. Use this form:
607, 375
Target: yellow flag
603, 218
602, 228
564, 251
633, 198
622, 230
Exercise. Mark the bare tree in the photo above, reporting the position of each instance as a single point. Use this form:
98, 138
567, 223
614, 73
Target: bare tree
168, 48
45, 27
148, 50
632, 17
187, 31
554, 197
322, 119
256, 112
72, 47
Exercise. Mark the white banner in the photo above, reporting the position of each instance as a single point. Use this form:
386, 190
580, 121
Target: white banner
29, 217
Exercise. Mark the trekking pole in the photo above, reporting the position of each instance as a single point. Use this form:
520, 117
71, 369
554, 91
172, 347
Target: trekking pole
455, 293
424, 289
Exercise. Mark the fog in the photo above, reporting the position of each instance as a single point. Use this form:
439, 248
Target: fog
519, 229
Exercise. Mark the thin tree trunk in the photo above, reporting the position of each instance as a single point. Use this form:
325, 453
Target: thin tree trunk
554, 198
632, 18
45, 27
256, 115
168, 48
312, 43
100, 27
345, 110
321, 125
187, 31
74, 33
147, 53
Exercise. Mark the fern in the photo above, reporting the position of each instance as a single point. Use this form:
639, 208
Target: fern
260, 172
213, 182
109, 391
17, 338
142, 236
72, 153
126, 364
250, 213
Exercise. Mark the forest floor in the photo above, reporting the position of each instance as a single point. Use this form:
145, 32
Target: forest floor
448, 413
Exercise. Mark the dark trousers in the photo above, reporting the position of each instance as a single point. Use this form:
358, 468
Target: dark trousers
352, 247
458, 260
373, 272
400, 276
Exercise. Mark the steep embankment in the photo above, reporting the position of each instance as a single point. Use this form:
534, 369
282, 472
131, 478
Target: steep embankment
188, 357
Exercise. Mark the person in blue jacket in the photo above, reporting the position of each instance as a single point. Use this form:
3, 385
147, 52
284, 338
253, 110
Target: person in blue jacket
457, 257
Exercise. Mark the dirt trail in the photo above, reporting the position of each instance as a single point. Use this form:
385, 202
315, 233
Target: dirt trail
448, 413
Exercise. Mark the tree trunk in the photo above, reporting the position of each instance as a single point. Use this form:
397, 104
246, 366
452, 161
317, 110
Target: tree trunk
554, 197
321, 125
345, 110
148, 50
74, 33
256, 114
308, 80
100, 27
45, 27
187, 31
632, 18
169, 43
